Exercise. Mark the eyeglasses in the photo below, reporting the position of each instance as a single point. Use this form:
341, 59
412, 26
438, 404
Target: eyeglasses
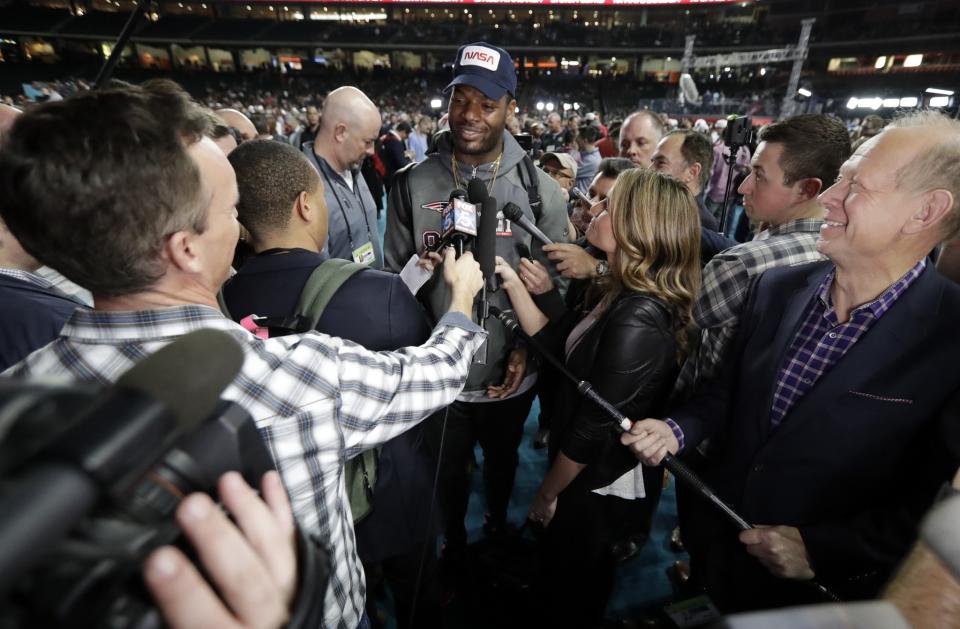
557, 173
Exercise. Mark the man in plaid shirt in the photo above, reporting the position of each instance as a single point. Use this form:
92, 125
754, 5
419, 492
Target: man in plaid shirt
120, 190
837, 410
796, 159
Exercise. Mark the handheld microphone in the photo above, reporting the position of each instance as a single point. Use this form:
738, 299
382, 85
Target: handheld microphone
515, 215
459, 223
113, 442
487, 242
447, 237
477, 191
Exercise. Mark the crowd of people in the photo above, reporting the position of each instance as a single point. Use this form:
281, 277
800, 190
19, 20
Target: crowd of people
769, 311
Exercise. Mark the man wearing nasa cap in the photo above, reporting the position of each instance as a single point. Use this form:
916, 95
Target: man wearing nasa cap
497, 399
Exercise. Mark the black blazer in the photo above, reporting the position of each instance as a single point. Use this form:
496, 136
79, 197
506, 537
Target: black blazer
857, 461
630, 358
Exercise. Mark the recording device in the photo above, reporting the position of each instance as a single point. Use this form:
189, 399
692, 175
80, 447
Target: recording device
739, 132
512, 212
525, 140
448, 213
941, 532
90, 480
581, 196
459, 223
523, 251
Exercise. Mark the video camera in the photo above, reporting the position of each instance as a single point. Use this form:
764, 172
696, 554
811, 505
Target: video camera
739, 132
89, 483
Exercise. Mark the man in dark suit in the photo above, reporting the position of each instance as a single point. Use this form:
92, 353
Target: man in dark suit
832, 414
282, 206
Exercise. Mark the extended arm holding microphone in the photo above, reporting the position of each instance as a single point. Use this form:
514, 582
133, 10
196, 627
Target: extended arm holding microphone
675, 466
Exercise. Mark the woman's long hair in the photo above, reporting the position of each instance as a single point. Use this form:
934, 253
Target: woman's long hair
657, 228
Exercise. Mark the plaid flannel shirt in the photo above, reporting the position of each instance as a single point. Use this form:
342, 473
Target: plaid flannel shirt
317, 400
726, 280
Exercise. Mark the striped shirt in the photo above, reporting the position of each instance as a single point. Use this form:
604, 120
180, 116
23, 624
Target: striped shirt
317, 400
726, 281
822, 340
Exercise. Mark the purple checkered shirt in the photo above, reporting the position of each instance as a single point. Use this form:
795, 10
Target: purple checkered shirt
822, 340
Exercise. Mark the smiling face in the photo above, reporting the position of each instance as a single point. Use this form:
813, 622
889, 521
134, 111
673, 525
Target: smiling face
867, 214
477, 122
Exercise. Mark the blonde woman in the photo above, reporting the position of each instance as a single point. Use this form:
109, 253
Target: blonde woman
628, 339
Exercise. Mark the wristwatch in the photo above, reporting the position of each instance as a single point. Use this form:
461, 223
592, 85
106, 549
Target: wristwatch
603, 267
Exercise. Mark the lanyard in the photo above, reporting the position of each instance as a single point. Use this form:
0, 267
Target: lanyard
343, 212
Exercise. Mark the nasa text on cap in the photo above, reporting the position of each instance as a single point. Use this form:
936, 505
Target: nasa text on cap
487, 68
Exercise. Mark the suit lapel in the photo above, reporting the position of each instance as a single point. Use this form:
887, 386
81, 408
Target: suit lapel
793, 313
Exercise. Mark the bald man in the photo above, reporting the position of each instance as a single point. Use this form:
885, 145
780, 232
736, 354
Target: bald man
349, 126
240, 122
639, 136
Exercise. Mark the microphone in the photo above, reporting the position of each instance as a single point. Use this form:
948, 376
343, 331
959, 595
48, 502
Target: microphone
487, 242
941, 532
446, 238
515, 215
459, 223
113, 442
477, 191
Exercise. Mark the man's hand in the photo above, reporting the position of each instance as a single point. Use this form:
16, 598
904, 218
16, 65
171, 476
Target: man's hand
535, 277
516, 368
650, 440
464, 278
253, 563
572, 261
780, 549
542, 509
430, 261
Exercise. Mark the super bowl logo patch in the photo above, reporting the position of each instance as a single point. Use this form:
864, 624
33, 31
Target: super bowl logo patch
436, 206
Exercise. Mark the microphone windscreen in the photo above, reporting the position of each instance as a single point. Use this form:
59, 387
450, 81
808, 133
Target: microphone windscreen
188, 375
487, 237
457, 194
512, 212
477, 191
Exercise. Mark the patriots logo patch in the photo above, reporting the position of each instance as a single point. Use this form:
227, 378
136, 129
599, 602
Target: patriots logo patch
436, 206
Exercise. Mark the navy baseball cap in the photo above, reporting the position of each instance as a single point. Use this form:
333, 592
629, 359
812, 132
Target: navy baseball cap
485, 67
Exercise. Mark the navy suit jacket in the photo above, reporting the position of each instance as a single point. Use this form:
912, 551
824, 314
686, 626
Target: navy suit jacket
857, 460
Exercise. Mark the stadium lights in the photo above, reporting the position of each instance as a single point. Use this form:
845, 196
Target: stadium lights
576, 106
939, 101
804, 92
908, 101
936, 90
891, 102
852, 103
869, 103
549, 106
912, 61
763, 71
540, 106
567, 106
436, 103
881, 61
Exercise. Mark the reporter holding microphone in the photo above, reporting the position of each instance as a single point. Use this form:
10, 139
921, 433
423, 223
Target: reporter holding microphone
627, 338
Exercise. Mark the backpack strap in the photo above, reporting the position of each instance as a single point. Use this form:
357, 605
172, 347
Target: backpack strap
526, 166
401, 181
322, 284
222, 302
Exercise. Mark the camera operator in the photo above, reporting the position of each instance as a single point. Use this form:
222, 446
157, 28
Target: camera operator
151, 232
